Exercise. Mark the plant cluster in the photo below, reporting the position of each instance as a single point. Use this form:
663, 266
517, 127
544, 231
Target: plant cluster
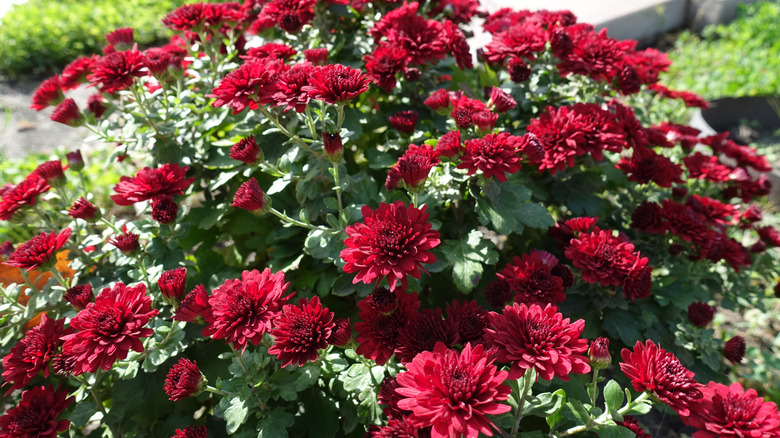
334, 221
39, 37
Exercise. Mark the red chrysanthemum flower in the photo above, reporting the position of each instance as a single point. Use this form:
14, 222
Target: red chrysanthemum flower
246, 150
484, 121
469, 319
157, 60
690, 99
96, 105
461, 11
382, 314
449, 144
191, 432
68, 113
384, 63
496, 155
498, 293
598, 353
24, 193
734, 349
271, 50
247, 86
52, 172
115, 71
334, 147
316, 56
388, 398
164, 208
645, 166
769, 235
422, 332
533, 337
109, 328
647, 217
453, 392
290, 86
36, 415
519, 71
501, 101
39, 251
195, 307
458, 46
172, 283
336, 83
398, 427
520, 41
593, 54
244, 310
48, 93
683, 221
463, 109
404, 121
530, 277
32, 353
342, 332
122, 37
184, 379
186, 17
439, 100
653, 369
393, 241
126, 242
77, 71
167, 179
79, 296
289, 15
631, 424
251, 197
423, 40
730, 411
601, 257
560, 132
75, 160
412, 168
301, 331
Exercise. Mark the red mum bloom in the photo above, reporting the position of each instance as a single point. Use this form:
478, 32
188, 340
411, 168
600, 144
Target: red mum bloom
342, 332
422, 332
157, 60
734, 349
52, 172
384, 63
412, 168
484, 121
495, 155
75, 160
501, 101
532, 280
631, 424
439, 100
164, 209
83, 209
172, 283
404, 121
115, 71
36, 415
498, 293
244, 310
96, 106
195, 307
639, 280
469, 319
383, 313
248, 85
593, 54
393, 242
700, 314
334, 148
290, 88
186, 17
289, 15
398, 427
32, 353
250, 196
301, 331
423, 40
271, 50
167, 179
560, 132
520, 41
459, 47
68, 113
519, 71
76, 72
126, 242
336, 84
463, 109
769, 235
109, 328
532, 337
652, 369
453, 392
316, 56
683, 221
38, 251
648, 218
730, 411
79, 296
184, 379
191, 432
690, 99
246, 150
48, 93
599, 353
449, 144
601, 257
122, 37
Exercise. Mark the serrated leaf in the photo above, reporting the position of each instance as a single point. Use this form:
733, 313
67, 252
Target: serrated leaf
613, 395
275, 424
467, 257
236, 414
609, 431
534, 215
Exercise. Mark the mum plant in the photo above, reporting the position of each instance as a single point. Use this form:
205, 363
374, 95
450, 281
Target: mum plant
335, 221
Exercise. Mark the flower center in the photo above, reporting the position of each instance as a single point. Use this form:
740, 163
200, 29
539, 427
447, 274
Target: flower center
107, 322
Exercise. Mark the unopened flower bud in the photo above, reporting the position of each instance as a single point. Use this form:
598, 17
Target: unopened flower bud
599, 353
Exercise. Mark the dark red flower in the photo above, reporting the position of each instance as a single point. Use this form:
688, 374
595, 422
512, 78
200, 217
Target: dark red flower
560, 132
48, 93
38, 252
382, 314
75, 160
683, 221
628, 80
289, 15
187, 17
397, 427
115, 71
24, 193
593, 54
601, 257
707, 167
191, 432
461, 11
652, 369
271, 50
648, 218
769, 235
122, 37
484, 121
598, 353
463, 109
167, 179
301, 331
290, 88
453, 392
316, 56
412, 168
184, 379
393, 241
36, 415
449, 144
501, 101
126, 242
498, 293
384, 63
333, 146
531, 279
96, 106
109, 328
639, 279
52, 172
690, 99
158, 60
388, 398
68, 113
422, 332
519, 71
79, 296
649, 63
76, 72
172, 283
496, 155
32, 353
730, 411
342, 332
423, 40
522, 40
734, 349
404, 121
458, 46
164, 208
248, 85
250, 196
631, 424
700, 314
195, 307
538, 338
336, 83
439, 100
246, 150
244, 310
469, 319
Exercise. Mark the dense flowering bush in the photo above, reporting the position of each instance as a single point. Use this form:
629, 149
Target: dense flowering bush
334, 220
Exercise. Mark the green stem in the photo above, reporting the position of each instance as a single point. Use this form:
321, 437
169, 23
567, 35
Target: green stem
240, 361
214, 390
642, 397
310, 123
414, 199
14, 302
594, 387
98, 402
27, 281
293, 137
520, 403
140, 257
340, 120
60, 279
142, 105
110, 225
337, 188
290, 220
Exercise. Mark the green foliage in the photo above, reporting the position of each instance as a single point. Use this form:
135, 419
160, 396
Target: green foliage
40, 37
740, 58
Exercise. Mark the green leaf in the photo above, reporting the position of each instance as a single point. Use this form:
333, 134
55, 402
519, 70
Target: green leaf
356, 377
613, 395
504, 210
545, 404
83, 412
235, 414
279, 184
610, 431
275, 424
323, 245
467, 257
623, 325
222, 179
535, 215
